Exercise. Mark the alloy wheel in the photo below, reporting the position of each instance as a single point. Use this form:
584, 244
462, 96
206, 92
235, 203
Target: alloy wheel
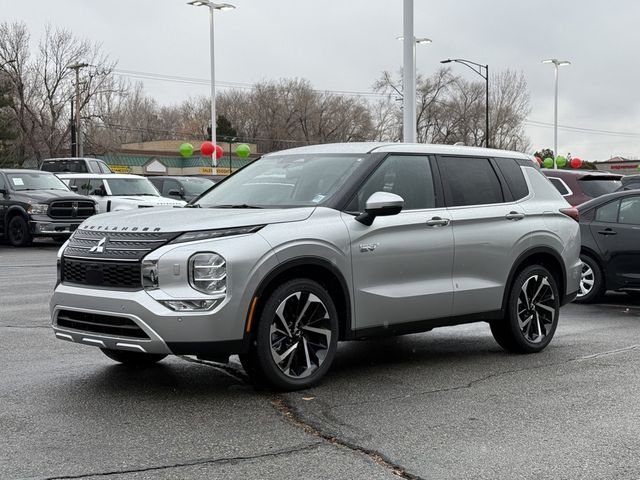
536, 308
300, 334
587, 279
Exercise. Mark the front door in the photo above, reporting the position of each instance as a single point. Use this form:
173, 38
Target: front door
401, 263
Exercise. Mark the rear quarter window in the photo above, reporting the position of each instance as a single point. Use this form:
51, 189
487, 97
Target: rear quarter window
560, 186
512, 173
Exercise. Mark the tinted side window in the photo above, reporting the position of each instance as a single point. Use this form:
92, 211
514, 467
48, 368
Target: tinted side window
407, 175
629, 211
2, 182
49, 167
514, 177
608, 213
470, 181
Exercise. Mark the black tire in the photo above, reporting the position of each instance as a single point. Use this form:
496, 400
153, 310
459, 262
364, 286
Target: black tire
18, 232
133, 359
529, 326
306, 354
591, 274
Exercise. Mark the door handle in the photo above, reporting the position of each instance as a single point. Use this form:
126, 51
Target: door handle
438, 222
514, 216
607, 231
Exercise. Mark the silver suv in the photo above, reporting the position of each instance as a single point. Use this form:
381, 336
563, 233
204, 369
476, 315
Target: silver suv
307, 247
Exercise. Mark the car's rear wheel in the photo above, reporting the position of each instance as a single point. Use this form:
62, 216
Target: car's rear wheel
532, 312
591, 281
296, 338
18, 234
133, 359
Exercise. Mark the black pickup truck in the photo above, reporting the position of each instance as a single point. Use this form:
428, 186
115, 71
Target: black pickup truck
38, 204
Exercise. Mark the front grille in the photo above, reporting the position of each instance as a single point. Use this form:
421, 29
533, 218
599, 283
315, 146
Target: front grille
65, 209
129, 246
102, 274
97, 323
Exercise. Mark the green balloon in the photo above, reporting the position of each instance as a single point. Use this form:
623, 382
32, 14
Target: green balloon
243, 150
561, 161
548, 162
186, 149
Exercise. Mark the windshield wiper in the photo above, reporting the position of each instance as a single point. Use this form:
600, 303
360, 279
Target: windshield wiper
192, 205
240, 205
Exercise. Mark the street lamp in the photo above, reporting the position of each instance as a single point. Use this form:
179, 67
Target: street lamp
409, 120
212, 7
478, 68
556, 63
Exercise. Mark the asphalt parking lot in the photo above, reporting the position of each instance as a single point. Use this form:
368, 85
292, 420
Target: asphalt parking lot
446, 404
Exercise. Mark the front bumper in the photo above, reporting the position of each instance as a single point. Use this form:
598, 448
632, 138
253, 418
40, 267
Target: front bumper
214, 333
45, 228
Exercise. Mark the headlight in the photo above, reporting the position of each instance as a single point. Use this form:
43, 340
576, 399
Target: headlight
38, 209
208, 273
209, 234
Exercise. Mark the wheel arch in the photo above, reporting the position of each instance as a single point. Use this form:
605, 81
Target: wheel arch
545, 256
12, 212
313, 268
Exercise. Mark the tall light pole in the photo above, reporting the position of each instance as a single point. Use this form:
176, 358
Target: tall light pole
479, 69
77, 67
556, 63
414, 125
409, 128
212, 7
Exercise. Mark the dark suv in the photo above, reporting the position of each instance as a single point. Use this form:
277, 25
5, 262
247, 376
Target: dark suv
37, 204
579, 186
181, 188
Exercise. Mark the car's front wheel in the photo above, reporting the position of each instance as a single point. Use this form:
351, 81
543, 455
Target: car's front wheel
133, 359
18, 234
532, 312
296, 338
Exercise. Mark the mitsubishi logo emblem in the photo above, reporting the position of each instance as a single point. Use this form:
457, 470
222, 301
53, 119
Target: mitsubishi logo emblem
99, 248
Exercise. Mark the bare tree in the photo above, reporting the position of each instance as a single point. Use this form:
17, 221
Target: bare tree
43, 86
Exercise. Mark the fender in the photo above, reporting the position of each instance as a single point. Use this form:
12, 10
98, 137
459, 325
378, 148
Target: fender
10, 211
310, 260
520, 260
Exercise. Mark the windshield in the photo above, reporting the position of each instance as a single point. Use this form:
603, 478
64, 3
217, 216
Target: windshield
35, 181
131, 186
195, 186
596, 186
285, 181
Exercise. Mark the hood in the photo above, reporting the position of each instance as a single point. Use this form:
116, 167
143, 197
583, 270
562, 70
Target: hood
191, 219
47, 196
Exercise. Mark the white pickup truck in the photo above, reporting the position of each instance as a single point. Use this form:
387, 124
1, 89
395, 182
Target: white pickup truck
114, 192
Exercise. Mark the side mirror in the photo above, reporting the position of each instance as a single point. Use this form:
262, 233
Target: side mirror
3, 191
175, 193
380, 204
74, 188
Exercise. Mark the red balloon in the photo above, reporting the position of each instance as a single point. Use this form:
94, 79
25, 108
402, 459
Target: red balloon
219, 151
539, 160
576, 162
206, 148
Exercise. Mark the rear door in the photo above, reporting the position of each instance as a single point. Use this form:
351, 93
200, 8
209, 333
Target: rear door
402, 263
490, 229
616, 229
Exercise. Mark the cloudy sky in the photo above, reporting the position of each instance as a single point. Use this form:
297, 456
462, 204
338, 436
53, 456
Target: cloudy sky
344, 45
